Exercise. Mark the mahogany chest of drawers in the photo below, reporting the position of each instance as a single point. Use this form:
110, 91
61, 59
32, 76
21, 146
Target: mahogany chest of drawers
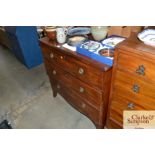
83, 82
133, 80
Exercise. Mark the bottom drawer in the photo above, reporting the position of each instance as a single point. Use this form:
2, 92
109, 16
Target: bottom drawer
119, 104
75, 100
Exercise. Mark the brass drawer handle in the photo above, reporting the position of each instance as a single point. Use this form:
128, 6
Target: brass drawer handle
81, 71
61, 57
81, 90
131, 105
141, 70
51, 55
58, 86
83, 105
54, 72
135, 88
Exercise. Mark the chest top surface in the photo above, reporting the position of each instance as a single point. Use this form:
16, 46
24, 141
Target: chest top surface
134, 45
74, 54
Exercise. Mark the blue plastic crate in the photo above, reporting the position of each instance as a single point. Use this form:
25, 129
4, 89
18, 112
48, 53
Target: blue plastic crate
95, 54
105, 60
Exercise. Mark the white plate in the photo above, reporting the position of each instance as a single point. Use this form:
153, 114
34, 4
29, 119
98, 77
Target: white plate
112, 41
147, 36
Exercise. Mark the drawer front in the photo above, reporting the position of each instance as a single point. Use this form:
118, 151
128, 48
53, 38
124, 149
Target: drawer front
76, 101
119, 104
137, 65
131, 86
82, 71
89, 94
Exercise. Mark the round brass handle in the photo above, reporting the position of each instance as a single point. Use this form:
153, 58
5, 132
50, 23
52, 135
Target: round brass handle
131, 105
54, 72
81, 90
61, 57
83, 105
51, 55
58, 86
81, 71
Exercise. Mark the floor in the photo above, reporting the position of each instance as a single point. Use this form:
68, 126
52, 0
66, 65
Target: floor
26, 99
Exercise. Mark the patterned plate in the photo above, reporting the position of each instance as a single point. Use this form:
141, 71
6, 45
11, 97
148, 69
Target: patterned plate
147, 36
112, 41
91, 45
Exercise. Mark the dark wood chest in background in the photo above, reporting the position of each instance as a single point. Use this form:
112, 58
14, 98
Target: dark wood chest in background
83, 82
133, 80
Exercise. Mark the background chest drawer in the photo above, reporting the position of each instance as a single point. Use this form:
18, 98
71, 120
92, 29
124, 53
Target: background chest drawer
121, 103
82, 71
135, 88
118, 105
137, 65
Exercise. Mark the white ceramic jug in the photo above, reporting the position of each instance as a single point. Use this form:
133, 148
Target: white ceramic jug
61, 35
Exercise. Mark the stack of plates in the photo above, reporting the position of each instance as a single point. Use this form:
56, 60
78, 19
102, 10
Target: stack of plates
77, 35
78, 31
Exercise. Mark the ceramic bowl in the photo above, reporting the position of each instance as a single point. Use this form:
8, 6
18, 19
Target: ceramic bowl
99, 32
76, 40
147, 36
107, 52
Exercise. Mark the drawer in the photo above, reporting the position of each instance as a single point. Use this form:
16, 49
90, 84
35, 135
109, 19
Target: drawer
88, 93
137, 65
129, 86
84, 72
119, 104
77, 102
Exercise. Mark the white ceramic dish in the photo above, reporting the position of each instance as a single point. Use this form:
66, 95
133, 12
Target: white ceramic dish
112, 41
91, 45
76, 40
147, 36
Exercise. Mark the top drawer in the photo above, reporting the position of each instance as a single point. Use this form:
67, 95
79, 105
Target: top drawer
84, 72
135, 64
